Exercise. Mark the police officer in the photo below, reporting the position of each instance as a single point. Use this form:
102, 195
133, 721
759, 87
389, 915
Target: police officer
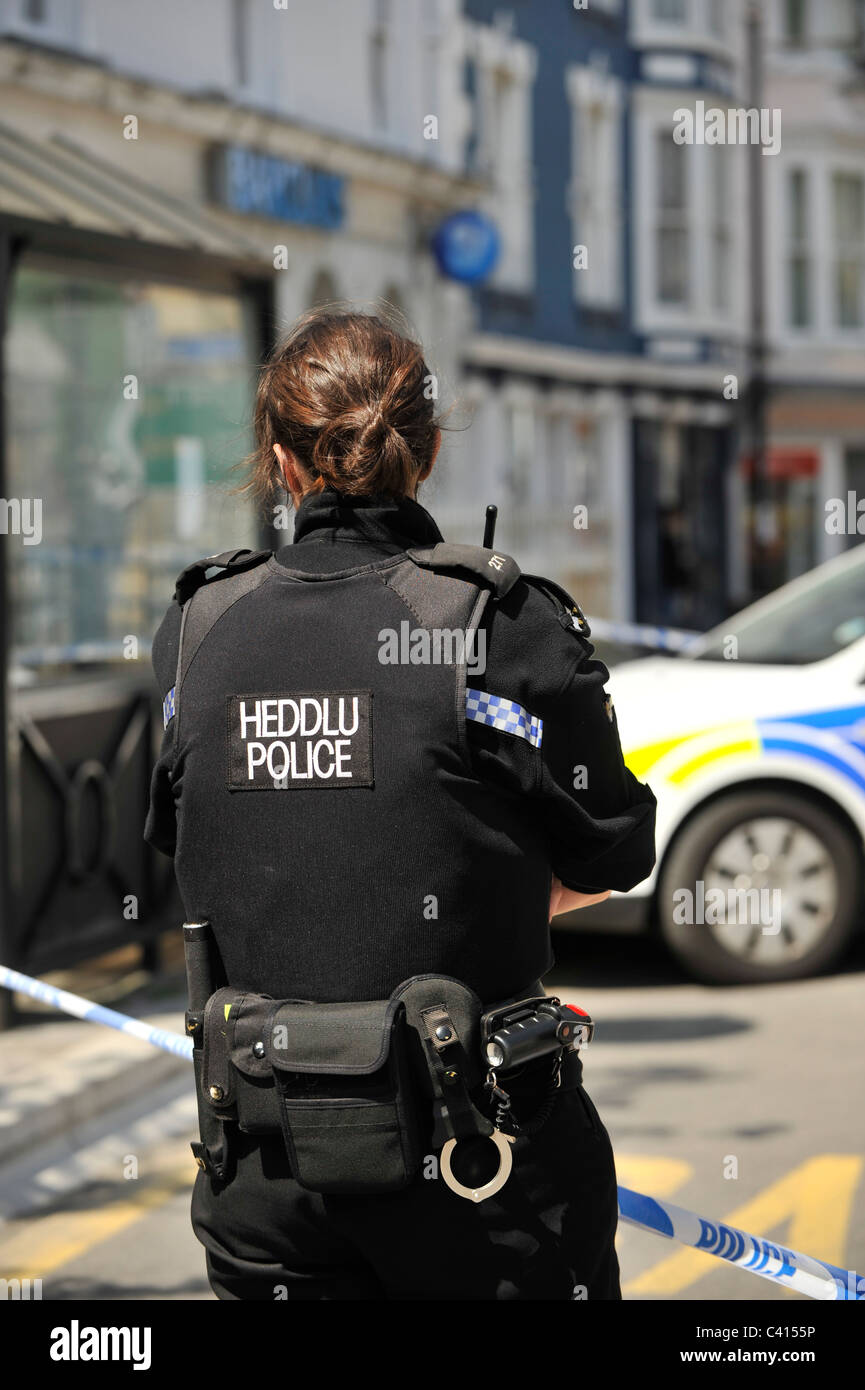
387, 757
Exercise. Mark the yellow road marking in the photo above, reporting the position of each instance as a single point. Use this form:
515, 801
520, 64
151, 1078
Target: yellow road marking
32, 1246
814, 1198
649, 1173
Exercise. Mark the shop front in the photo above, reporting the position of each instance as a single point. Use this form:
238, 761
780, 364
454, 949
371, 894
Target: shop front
680, 520
129, 365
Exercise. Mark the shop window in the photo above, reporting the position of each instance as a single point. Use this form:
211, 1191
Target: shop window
854, 481
679, 529
127, 403
784, 520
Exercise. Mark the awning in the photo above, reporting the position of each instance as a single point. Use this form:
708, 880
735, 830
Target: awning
58, 180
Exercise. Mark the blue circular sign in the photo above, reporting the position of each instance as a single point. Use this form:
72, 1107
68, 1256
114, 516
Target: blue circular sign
466, 246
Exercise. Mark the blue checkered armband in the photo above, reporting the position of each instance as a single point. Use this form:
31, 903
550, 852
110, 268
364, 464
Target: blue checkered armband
168, 708
506, 715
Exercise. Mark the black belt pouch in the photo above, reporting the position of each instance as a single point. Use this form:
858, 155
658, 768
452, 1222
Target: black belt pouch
344, 1085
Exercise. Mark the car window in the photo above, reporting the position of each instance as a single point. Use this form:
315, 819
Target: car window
808, 626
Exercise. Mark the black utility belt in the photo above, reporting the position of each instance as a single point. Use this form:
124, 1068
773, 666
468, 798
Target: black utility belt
359, 1091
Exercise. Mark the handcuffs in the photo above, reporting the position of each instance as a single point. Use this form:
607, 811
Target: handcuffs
511, 1037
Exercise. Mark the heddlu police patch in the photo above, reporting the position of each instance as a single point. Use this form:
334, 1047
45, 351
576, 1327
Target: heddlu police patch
311, 738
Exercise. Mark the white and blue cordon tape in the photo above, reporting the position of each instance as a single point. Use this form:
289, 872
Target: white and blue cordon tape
807, 1275
95, 1013
660, 639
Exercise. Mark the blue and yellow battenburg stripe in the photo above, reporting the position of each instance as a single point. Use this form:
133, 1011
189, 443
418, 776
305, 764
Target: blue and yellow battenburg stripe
834, 738
494, 710
497, 712
168, 708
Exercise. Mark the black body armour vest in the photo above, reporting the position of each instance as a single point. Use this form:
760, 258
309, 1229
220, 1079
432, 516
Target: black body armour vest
330, 826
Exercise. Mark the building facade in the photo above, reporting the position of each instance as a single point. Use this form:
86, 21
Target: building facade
604, 342
815, 277
177, 185
166, 209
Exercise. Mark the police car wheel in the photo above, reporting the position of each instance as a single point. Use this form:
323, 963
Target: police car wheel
760, 886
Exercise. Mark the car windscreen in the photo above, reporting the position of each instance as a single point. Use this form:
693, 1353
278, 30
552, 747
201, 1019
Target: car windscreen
810, 625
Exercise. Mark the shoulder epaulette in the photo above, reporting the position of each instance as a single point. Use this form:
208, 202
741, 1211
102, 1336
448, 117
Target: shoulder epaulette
493, 568
570, 612
202, 571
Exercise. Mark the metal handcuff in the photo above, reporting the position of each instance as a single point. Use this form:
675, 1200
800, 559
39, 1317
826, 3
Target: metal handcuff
512, 1036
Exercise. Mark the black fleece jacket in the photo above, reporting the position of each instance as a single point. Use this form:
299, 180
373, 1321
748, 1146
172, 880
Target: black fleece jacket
598, 818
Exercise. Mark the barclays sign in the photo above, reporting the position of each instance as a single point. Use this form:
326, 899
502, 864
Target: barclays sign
284, 190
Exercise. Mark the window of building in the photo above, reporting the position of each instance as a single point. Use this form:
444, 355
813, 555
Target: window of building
322, 290
392, 295
128, 403
720, 229
848, 205
55, 22
670, 11
522, 451
672, 237
379, 63
503, 80
717, 16
796, 22
596, 186
240, 21
799, 250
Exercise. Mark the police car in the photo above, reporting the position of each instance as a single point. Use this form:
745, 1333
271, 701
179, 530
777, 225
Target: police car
753, 741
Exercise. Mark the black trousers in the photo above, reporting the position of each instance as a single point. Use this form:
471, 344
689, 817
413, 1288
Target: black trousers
548, 1234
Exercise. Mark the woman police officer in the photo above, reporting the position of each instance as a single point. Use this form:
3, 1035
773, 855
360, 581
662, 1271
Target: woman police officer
350, 806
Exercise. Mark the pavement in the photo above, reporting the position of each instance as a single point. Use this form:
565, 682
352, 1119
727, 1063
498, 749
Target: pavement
57, 1073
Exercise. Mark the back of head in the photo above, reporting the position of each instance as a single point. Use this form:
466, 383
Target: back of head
351, 398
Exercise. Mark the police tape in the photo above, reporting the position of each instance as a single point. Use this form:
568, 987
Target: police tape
662, 639
816, 1278
803, 1273
95, 1013
75, 654
672, 639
